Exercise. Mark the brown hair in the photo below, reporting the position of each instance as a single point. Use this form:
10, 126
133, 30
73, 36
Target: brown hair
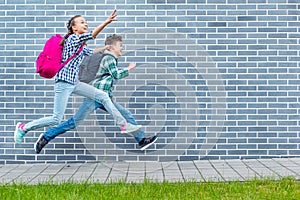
110, 40
71, 23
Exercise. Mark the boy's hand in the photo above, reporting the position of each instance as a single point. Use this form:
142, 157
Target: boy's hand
131, 66
107, 47
112, 17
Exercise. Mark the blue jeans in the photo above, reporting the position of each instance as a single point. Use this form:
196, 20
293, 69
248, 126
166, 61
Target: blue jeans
87, 107
63, 90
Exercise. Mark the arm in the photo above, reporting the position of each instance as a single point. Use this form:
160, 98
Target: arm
110, 64
102, 49
112, 17
131, 66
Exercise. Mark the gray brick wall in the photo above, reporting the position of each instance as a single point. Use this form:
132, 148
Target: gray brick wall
216, 79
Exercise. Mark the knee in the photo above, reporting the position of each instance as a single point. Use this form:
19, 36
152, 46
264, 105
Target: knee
56, 120
102, 97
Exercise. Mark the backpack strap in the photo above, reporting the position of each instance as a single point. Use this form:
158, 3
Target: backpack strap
106, 54
73, 56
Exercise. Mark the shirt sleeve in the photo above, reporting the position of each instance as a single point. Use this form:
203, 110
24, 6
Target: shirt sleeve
110, 63
88, 51
83, 37
76, 40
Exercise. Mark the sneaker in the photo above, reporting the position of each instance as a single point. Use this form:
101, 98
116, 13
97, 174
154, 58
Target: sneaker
40, 143
128, 128
147, 142
19, 133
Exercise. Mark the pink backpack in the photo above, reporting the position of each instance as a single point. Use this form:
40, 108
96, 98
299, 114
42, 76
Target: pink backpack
49, 61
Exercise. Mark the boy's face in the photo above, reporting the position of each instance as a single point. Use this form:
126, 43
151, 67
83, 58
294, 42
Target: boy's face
117, 48
80, 26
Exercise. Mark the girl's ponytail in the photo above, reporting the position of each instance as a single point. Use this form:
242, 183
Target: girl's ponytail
71, 23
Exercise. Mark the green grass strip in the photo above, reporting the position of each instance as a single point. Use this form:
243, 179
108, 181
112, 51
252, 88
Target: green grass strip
284, 189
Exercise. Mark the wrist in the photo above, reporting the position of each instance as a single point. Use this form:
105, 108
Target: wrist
107, 21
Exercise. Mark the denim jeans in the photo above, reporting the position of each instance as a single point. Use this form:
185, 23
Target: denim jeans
63, 90
87, 107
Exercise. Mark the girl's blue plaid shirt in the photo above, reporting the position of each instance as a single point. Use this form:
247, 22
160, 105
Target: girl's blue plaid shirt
69, 72
108, 73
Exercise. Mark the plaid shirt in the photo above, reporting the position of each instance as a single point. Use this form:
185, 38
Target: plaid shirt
108, 73
69, 72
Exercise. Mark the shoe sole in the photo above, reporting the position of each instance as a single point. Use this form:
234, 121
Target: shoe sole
16, 132
126, 132
37, 142
148, 145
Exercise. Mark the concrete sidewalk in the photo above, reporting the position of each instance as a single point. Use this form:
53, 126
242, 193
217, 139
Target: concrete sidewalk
202, 170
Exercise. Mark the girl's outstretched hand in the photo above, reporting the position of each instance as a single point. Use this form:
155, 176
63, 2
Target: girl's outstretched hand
112, 17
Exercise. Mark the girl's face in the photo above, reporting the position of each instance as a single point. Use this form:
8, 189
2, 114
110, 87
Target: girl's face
117, 48
80, 26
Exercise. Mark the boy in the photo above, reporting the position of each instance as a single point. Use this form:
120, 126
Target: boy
107, 74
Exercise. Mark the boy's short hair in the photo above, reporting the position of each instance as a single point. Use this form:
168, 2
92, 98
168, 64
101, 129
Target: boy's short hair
112, 39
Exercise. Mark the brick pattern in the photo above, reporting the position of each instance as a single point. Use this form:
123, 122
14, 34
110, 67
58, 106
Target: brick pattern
216, 79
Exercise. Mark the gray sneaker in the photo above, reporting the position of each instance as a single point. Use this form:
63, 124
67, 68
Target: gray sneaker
129, 128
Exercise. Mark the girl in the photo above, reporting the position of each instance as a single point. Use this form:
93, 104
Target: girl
66, 81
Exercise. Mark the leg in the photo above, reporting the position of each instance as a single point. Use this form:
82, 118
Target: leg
85, 109
99, 96
103, 98
62, 92
138, 135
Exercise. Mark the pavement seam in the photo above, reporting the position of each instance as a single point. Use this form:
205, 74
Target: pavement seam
47, 166
295, 162
253, 169
16, 178
269, 168
198, 171
240, 175
65, 165
108, 175
9, 171
78, 168
184, 179
163, 172
286, 167
217, 170
93, 171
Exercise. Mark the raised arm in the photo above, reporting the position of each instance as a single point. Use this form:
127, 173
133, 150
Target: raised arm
112, 17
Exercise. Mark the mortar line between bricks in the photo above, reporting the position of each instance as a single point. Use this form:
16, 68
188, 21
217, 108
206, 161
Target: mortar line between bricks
286, 167
216, 170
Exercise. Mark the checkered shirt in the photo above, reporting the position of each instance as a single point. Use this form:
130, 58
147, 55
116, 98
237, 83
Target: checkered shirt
69, 72
108, 74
